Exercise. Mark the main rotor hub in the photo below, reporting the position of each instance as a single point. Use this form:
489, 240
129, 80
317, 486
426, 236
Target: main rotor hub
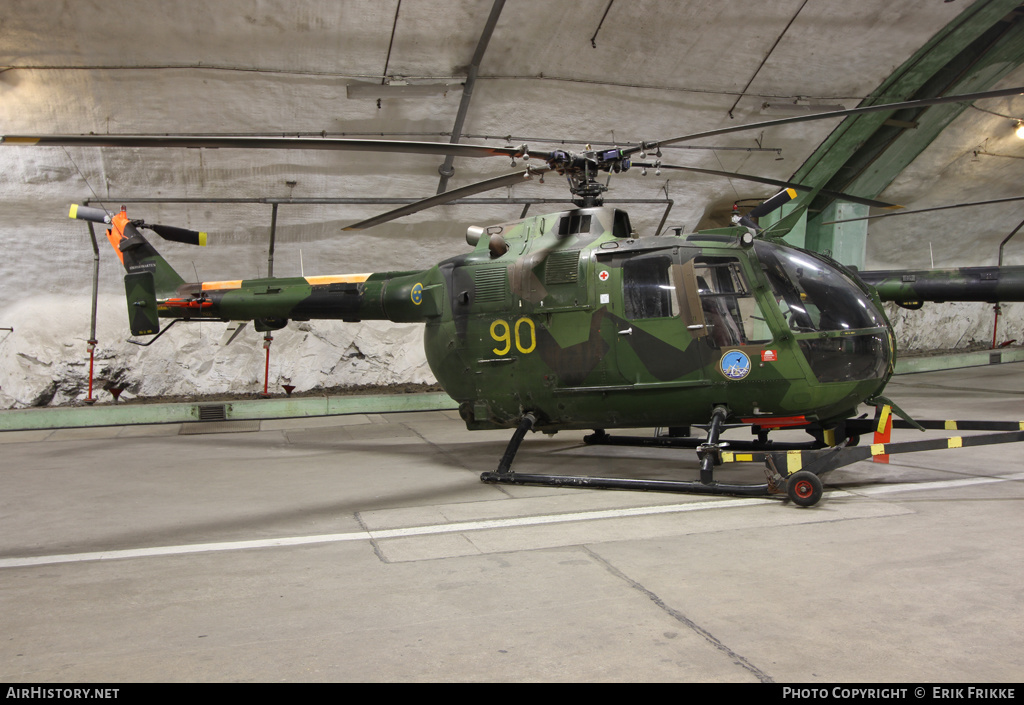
581, 171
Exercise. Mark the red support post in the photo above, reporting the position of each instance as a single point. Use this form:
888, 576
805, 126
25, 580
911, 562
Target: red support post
995, 327
92, 352
267, 339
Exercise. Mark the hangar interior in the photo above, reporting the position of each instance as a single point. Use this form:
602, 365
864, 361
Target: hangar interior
361, 545
551, 75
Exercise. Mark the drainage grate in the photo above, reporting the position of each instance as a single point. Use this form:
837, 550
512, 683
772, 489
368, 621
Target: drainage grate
212, 412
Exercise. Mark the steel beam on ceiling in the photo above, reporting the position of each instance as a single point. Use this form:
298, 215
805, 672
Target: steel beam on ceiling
446, 170
864, 154
908, 81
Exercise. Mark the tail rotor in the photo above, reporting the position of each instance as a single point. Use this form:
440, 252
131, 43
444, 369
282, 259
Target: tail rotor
167, 232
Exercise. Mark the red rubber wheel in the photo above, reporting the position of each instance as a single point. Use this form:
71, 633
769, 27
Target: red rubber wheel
804, 488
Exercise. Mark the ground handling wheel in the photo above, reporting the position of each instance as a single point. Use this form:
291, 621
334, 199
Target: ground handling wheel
804, 488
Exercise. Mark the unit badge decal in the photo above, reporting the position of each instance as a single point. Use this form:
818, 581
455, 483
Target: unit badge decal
735, 364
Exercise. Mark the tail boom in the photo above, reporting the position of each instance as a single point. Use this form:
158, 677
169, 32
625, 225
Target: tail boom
155, 290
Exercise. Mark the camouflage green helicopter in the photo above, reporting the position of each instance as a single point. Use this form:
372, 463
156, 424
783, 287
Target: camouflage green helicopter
571, 320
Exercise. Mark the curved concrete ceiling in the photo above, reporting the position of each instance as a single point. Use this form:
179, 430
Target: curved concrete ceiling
591, 71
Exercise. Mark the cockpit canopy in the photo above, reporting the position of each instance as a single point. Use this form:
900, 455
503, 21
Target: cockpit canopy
813, 295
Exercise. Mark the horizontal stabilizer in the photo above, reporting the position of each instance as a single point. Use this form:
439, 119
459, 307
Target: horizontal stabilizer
232, 331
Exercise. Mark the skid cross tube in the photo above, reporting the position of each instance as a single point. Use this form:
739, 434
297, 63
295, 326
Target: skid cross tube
709, 451
505, 466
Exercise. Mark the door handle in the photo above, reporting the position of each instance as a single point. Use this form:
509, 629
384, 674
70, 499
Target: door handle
628, 331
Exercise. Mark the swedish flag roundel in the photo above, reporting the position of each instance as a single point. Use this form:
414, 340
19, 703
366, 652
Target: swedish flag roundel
417, 293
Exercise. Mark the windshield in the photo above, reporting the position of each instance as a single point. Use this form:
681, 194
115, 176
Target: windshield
813, 295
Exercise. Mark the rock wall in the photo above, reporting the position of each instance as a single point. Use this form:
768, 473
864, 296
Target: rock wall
45, 360
954, 326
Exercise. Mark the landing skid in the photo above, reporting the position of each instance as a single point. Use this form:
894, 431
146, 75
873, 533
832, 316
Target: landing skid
708, 450
794, 469
612, 483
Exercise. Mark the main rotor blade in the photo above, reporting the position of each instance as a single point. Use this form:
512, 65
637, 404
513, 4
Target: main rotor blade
928, 210
922, 103
772, 182
212, 142
479, 187
777, 201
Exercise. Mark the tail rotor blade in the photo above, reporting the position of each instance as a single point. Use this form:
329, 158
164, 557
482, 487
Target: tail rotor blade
169, 232
95, 215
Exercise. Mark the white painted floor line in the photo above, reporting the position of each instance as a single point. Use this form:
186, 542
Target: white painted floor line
939, 484
470, 525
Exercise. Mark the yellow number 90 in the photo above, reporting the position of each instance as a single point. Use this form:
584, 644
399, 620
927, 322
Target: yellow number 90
506, 334
533, 336
505, 337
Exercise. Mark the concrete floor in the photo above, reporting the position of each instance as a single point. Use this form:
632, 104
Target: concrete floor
138, 554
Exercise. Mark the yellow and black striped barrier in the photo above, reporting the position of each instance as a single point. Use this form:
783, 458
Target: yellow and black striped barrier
827, 459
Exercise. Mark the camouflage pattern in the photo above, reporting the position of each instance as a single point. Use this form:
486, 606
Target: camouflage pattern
549, 327
572, 317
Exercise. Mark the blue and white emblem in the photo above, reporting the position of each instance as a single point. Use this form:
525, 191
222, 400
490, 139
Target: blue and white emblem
735, 364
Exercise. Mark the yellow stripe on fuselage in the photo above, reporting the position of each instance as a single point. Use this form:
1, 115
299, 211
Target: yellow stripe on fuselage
233, 284
338, 279
313, 281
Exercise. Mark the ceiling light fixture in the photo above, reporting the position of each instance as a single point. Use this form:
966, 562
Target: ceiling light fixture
1020, 129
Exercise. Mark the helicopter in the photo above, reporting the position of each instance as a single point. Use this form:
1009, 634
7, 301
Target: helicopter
573, 321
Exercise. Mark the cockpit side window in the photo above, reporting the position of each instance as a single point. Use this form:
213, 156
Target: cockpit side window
731, 312
647, 288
